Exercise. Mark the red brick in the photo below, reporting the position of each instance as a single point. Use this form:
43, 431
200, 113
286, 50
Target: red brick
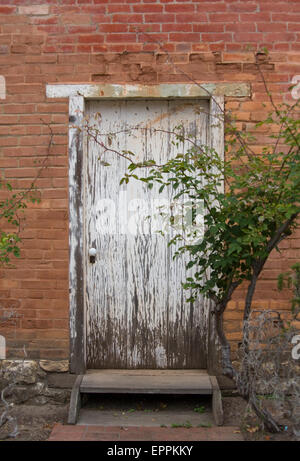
12, 19
207, 27
94, 9
68, 18
145, 28
100, 18
28, 39
216, 7
81, 29
180, 8
19, 108
272, 27
96, 38
283, 46
241, 27
189, 17
160, 18
279, 37
12, 89
287, 17
113, 27
144, 8
293, 27
128, 18
7, 9
216, 37
248, 7
276, 6
8, 163
41, 20
178, 28
248, 37
224, 17
119, 38
120, 8
187, 37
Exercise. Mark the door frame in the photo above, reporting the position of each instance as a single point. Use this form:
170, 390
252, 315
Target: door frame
77, 94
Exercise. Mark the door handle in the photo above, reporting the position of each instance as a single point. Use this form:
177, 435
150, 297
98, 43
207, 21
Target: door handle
92, 255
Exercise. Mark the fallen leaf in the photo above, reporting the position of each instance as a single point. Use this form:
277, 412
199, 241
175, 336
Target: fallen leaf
253, 429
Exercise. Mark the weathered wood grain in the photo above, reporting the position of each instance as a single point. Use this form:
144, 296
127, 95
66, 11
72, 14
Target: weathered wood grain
217, 406
147, 382
137, 316
76, 235
75, 401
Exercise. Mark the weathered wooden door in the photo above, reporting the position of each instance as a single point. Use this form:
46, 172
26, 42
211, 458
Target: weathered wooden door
136, 310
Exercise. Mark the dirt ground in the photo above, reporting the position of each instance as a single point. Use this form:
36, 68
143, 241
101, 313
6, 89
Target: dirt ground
35, 423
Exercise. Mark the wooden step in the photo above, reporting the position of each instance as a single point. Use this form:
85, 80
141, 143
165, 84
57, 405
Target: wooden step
197, 382
147, 382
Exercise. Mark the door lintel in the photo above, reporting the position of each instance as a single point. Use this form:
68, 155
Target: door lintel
176, 90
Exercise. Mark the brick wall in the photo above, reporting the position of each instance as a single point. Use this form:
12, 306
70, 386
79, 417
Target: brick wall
102, 41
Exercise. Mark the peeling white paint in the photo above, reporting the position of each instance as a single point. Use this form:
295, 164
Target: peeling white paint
77, 95
76, 110
2, 87
2, 348
179, 90
137, 315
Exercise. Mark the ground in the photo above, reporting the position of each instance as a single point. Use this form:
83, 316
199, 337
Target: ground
35, 423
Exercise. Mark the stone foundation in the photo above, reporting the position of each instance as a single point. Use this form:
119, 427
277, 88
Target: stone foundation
36, 382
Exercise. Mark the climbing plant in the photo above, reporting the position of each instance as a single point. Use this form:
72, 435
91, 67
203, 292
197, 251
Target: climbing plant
291, 279
13, 203
12, 207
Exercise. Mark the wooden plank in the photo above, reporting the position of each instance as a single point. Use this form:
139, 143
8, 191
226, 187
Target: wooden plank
148, 372
76, 236
161, 91
147, 382
217, 406
75, 401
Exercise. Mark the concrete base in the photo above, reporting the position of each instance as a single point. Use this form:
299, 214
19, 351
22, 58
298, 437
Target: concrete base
145, 419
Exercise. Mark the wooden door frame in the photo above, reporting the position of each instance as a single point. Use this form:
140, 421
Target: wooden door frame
77, 94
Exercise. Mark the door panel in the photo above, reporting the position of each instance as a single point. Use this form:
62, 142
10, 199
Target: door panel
136, 313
